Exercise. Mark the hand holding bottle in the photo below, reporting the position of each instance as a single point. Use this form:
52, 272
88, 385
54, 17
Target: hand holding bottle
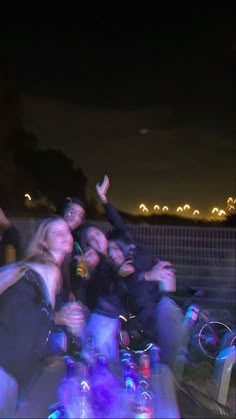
72, 315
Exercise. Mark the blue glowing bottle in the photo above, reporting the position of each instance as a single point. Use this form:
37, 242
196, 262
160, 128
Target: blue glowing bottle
84, 409
155, 359
144, 403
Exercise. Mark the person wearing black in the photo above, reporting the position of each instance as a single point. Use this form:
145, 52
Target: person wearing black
156, 312
150, 283
105, 295
10, 241
73, 212
142, 260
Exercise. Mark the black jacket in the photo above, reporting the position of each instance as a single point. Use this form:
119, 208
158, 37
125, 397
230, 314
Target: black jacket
142, 261
106, 291
10, 236
142, 296
26, 319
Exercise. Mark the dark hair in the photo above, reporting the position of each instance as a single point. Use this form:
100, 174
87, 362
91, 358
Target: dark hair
123, 240
82, 234
72, 200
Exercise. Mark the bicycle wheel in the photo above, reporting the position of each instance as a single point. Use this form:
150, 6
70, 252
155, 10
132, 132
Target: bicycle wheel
211, 336
229, 339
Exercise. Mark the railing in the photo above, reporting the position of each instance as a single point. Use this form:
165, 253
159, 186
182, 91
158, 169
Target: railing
204, 257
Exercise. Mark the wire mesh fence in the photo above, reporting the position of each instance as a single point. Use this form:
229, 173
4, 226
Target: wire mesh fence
203, 257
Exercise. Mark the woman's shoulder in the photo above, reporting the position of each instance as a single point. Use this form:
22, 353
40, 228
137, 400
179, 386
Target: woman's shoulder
44, 269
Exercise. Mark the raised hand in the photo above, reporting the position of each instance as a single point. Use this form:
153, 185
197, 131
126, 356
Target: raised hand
102, 189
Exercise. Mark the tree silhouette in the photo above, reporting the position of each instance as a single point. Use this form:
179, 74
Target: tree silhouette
11, 130
54, 175
49, 176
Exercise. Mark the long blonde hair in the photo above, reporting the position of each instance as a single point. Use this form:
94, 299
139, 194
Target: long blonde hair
37, 250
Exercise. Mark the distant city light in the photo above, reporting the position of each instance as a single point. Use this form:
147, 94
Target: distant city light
186, 206
143, 208
221, 212
28, 196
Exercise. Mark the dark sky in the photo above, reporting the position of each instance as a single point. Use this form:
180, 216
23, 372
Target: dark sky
143, 93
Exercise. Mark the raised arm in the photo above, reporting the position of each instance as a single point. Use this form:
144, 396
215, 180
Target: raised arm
112, 214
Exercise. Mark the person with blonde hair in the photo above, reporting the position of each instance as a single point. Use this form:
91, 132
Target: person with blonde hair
27, 310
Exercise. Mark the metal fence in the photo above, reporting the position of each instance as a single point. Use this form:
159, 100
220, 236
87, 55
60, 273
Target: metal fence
204, 257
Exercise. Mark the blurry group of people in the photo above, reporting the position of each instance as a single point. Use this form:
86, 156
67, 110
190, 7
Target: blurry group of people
76, 277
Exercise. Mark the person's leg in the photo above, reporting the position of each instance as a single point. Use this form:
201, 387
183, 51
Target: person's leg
169, 328
105, 331
8, 394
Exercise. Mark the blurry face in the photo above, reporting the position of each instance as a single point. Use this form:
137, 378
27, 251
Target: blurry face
97, 240
116, 254
91, 257
59, 238
74, 216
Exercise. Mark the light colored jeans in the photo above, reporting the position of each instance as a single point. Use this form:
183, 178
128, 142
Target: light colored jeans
169, 320
8, 394
105, 331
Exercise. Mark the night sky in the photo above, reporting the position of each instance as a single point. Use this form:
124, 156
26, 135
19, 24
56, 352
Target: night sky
143, 93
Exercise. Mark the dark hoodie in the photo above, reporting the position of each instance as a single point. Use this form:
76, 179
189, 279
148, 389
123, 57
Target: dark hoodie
105, 290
